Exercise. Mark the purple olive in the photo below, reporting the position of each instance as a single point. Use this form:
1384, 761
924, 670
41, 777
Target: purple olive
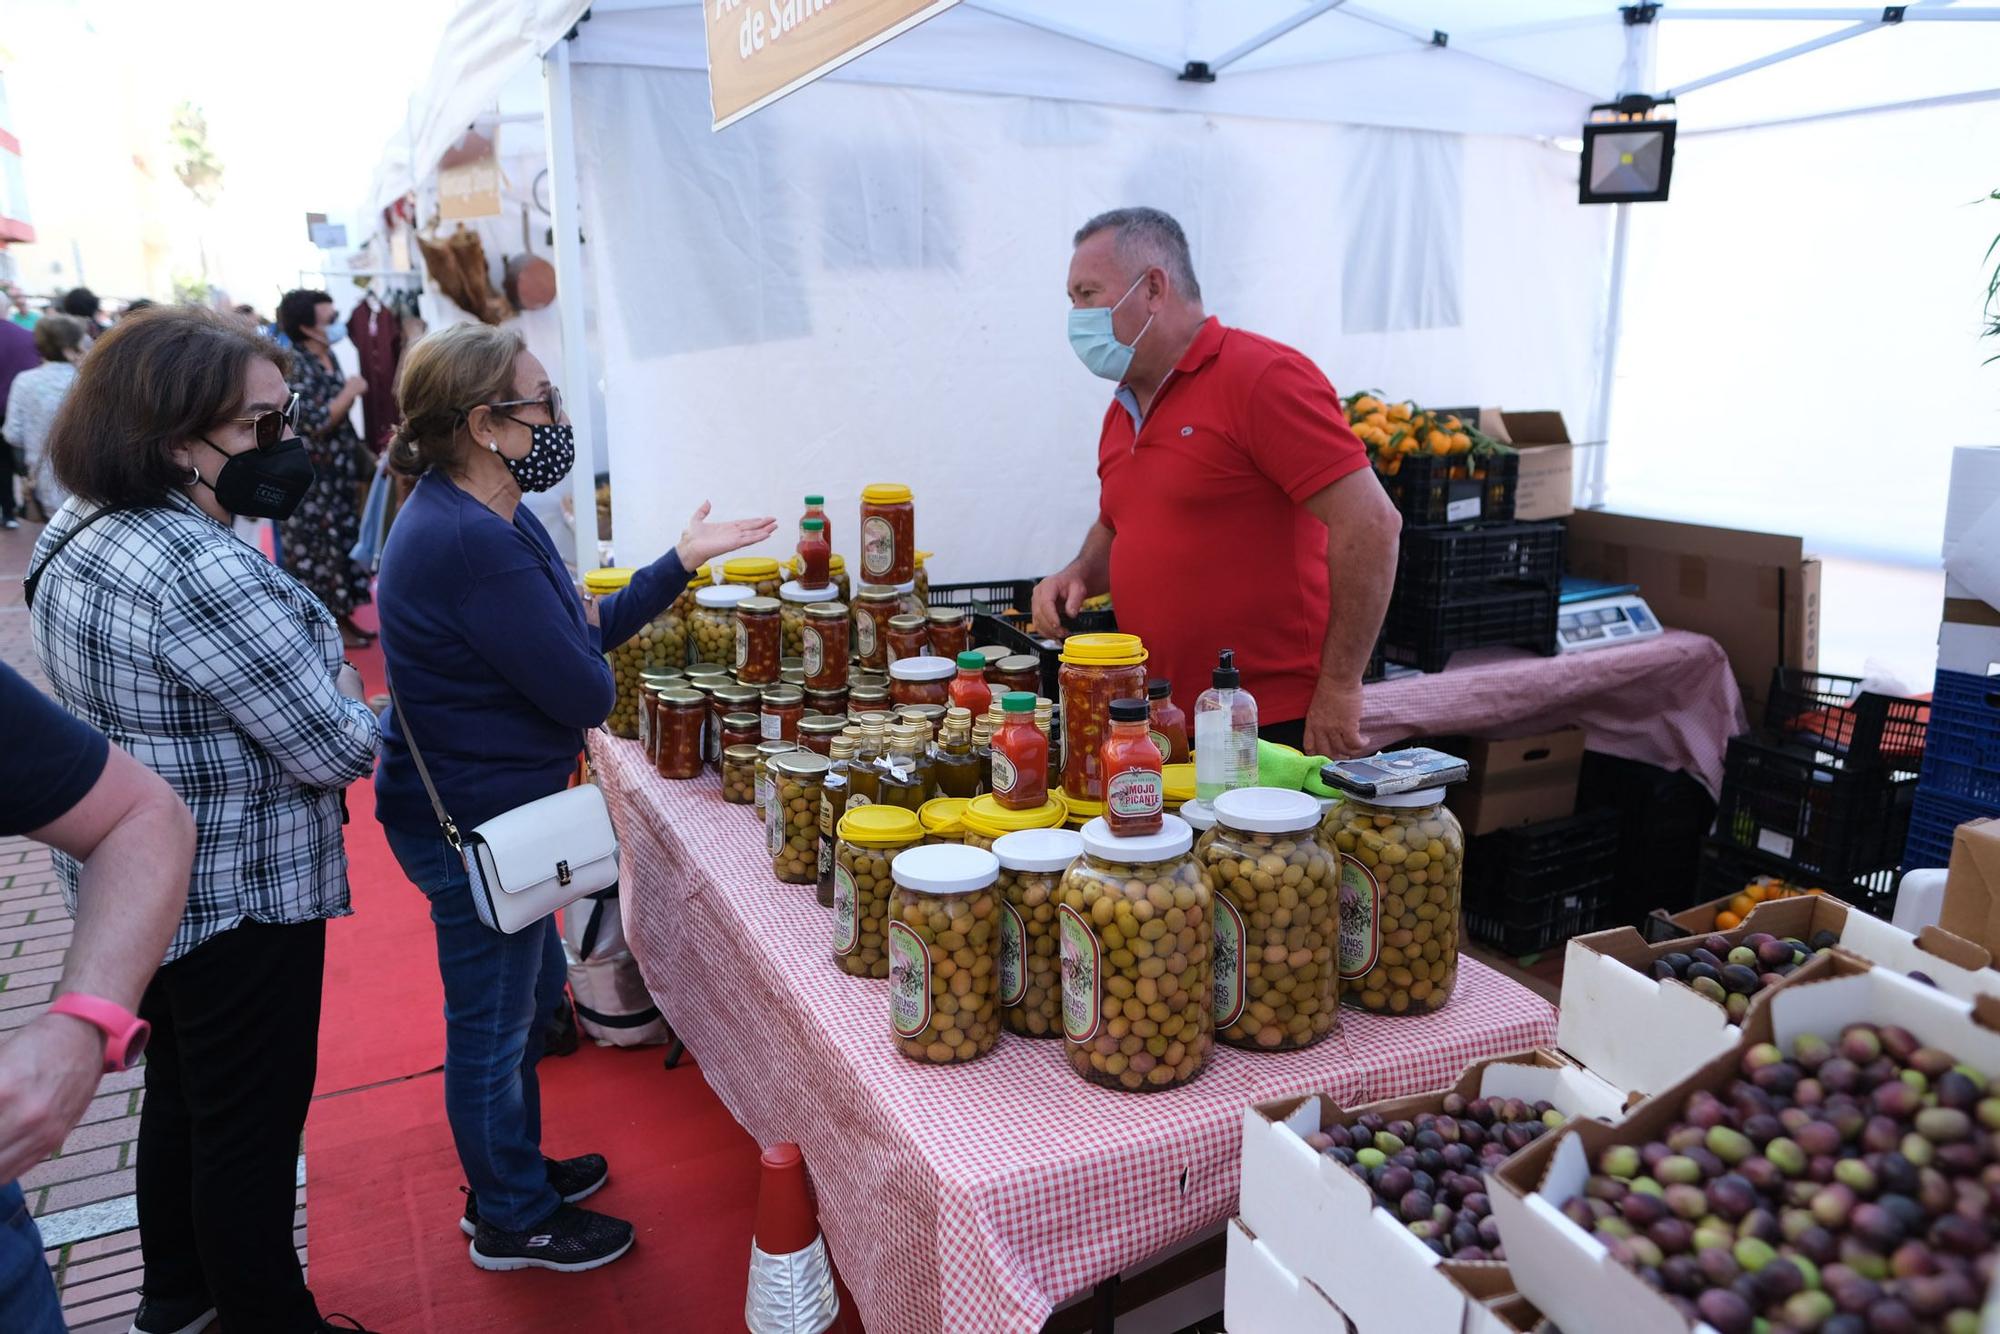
1898, 1044
1731, 1197
1727, 1312
1818, 1245
1897, 1175
1875, 1227
1958, 1235
1642, 1210
1818, 1137
1881, 1134
1889, 1316
1414, 1206
1860, 1043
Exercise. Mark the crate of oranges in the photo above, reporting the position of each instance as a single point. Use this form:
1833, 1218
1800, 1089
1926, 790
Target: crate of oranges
1747, 882
1437, 466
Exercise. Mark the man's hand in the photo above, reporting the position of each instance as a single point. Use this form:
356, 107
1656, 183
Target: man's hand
1061, 594
48, 1075
1333, 721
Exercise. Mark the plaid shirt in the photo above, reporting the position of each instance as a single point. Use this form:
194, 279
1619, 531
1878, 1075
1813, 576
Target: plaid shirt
215, 669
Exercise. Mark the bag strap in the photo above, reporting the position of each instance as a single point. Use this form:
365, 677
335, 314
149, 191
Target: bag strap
34, 579
451, 834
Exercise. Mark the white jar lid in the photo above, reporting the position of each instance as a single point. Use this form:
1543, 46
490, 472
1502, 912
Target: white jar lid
1402, 801
945, 868
922, 669
1173, 840
797, 592
1199, 815
1326, 804
1038, 849
723, 595
1267, 810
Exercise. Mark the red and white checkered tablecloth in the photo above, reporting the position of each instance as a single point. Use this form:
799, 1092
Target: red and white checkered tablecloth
973, 1198
1669, 701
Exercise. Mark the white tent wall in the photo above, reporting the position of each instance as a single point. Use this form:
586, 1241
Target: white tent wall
867, 284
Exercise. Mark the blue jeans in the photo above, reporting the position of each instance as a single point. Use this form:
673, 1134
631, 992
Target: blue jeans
28, 1301
500, 992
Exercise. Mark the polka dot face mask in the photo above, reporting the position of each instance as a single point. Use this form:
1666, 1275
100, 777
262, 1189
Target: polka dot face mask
551, 454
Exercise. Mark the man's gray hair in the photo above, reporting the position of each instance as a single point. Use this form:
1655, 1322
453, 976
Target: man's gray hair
1148, 237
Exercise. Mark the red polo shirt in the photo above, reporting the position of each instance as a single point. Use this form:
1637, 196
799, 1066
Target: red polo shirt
1212, 547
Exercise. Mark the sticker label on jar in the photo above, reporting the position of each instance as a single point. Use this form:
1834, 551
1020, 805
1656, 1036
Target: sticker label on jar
1136, 792
742, 645
645, 727
771, 727
764, 791
774, 825
846, 918
909, 981
813, 649
1227, 978
1013, 977
1005, 775
1082, 972
1360, 920
1164, 746
864, 635
856, 800
825, 859
878, 547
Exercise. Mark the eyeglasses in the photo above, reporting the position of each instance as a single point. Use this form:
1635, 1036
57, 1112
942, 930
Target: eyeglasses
271, 427
552, 402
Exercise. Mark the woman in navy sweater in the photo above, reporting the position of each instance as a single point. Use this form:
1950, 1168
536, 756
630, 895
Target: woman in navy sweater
498, 666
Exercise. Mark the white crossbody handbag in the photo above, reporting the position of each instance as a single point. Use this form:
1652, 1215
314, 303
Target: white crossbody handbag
526, 863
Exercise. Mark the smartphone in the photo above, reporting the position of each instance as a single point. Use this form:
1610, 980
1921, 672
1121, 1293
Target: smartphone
1395, 771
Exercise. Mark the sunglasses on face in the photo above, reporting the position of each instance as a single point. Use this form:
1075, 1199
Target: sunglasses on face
551, 402
268, 428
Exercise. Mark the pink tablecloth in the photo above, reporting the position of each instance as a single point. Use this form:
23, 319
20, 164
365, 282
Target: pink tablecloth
974, 1198
1669, 701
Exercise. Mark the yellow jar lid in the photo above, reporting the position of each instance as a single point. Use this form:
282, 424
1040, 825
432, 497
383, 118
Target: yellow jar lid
1081, 812
880, 826
1179, 780
943, 815
886, 493
984, 815
922, 556
1103, 650
607, 580
750, 567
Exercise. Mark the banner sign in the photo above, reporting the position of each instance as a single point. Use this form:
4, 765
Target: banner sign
760, 50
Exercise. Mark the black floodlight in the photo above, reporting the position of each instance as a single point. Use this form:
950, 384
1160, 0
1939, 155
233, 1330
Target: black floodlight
1628, 152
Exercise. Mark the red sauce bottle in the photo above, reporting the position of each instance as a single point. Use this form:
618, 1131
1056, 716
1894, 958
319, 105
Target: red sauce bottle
1169, 723
1134, 789
816, 509
815, 555
1020, 756
969, 690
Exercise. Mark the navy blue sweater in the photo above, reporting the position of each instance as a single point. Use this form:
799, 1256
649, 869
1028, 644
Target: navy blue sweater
490, 655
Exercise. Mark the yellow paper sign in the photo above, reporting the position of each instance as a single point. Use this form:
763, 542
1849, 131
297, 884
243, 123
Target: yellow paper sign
760, 50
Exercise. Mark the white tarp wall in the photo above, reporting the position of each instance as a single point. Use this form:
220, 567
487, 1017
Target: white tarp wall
866, 283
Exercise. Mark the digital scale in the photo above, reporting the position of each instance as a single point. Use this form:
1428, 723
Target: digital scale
1591, 615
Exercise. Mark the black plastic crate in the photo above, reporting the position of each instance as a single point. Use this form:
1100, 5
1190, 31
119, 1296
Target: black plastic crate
1424, 634
1861, 728
1531, 855
1519, 926
1727, 868
1427, 493
988, 628
1443, 565
1962, 760
1934, 822
1531, 887
1662, 818
1012, 600
1828, 821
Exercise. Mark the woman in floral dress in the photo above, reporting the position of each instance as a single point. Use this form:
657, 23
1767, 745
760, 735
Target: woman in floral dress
316, 540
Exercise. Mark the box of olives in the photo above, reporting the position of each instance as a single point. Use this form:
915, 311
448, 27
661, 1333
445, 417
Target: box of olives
1259, 1293
1382, 1206
1834, 1169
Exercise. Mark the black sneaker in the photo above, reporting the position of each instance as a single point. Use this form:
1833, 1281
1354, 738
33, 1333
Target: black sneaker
168, 1315
574, 1179
569, 1241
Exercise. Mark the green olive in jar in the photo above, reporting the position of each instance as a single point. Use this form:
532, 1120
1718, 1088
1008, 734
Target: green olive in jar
1277, 920
868, 840
943, 944
791, 815
1401, 865
711, 631
739, 775
1032, 864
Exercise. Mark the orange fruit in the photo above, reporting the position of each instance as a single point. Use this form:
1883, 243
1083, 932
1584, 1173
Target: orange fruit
1757, 891
1727, 921
1742, 904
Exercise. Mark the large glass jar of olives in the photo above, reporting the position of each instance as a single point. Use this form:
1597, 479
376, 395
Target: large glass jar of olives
1401, 857
651, 646
791, 816
757, 633
869, 839
1277, 921
1135, 938
712, 627
832, 805
873, 610
1032, 863
766, 752
794, 600
944, 946
1096, 669
760, 574
823, 645
987, 821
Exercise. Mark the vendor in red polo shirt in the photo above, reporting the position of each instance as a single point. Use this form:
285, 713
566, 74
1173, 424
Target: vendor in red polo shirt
1236, 509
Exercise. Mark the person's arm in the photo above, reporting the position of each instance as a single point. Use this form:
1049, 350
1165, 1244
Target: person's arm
624, 613
1064, 592
1362, 528
524, 628
336, 412
135, 840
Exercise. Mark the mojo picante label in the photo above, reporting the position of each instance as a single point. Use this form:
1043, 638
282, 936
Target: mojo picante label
1360, 920
909, 981
1136, 792
1227, 978
1082, 970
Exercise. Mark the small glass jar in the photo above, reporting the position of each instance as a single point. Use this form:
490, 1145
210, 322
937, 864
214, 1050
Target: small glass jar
1135, 791
792, 676
739, 775
903, 777
932, 716
794, 601
760, 574
757, 634
784, 708
954, 767
832, 806
868, 840
712, 673
766, 752
868, 676
651, 682
1169, 722
683, 716
907, 638
1016, 671
824, 635
869, 699
950, 630
725, 700
888, 534
1032, 863
995, 654
1096, 669
987, 821
1137, 1000
1277, 921
816, 733
921, 681
712, 627
1401, 857
741, 729
791, 816
943, 819
943, 943
826, 703
872, 613
920, 578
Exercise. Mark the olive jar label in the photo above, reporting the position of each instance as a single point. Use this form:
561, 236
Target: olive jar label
742, 645
1082, 966
1227, 977
846, 918
878, 547
774, 825
813, 649
864, 635
909, 981
1360, 920
1013, 977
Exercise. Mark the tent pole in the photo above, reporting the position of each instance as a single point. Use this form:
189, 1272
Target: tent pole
571, 295
1273, 33
1600, 414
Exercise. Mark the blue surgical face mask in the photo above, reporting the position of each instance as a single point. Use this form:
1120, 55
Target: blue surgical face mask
335, 332
1096, 346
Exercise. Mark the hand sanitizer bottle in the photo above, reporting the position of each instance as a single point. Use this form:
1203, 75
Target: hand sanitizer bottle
1225, 733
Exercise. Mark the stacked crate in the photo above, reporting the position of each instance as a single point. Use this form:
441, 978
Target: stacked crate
1961, 770
1473, 585
1531, 887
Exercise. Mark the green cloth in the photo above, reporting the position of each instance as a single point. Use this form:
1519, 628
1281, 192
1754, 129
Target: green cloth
1281, 766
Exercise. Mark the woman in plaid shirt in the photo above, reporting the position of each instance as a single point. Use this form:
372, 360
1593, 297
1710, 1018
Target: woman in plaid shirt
222, 674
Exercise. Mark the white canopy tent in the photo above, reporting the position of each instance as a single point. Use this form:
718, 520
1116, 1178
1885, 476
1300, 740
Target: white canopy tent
865, 281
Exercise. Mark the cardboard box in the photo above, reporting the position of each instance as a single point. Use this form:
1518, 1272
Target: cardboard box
1756, 594
1261, 1296
1547, 485
1972, 885
1321, 1222
1568, 1273
1519, 781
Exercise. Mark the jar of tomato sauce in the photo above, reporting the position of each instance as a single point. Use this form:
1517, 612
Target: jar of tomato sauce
741, 729
1096, 669
1020, 756
784, 708
1134, 788
823, 640
757, 642
888, 534
969, 690
1170, 733
950, 630
872, 612
921, 681
682, 716
907, 638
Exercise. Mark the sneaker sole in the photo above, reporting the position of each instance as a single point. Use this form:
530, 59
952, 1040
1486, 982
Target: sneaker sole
199, 1323
505, 1264
471, 1229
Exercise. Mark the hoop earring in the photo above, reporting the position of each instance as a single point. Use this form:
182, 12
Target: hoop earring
194, 475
